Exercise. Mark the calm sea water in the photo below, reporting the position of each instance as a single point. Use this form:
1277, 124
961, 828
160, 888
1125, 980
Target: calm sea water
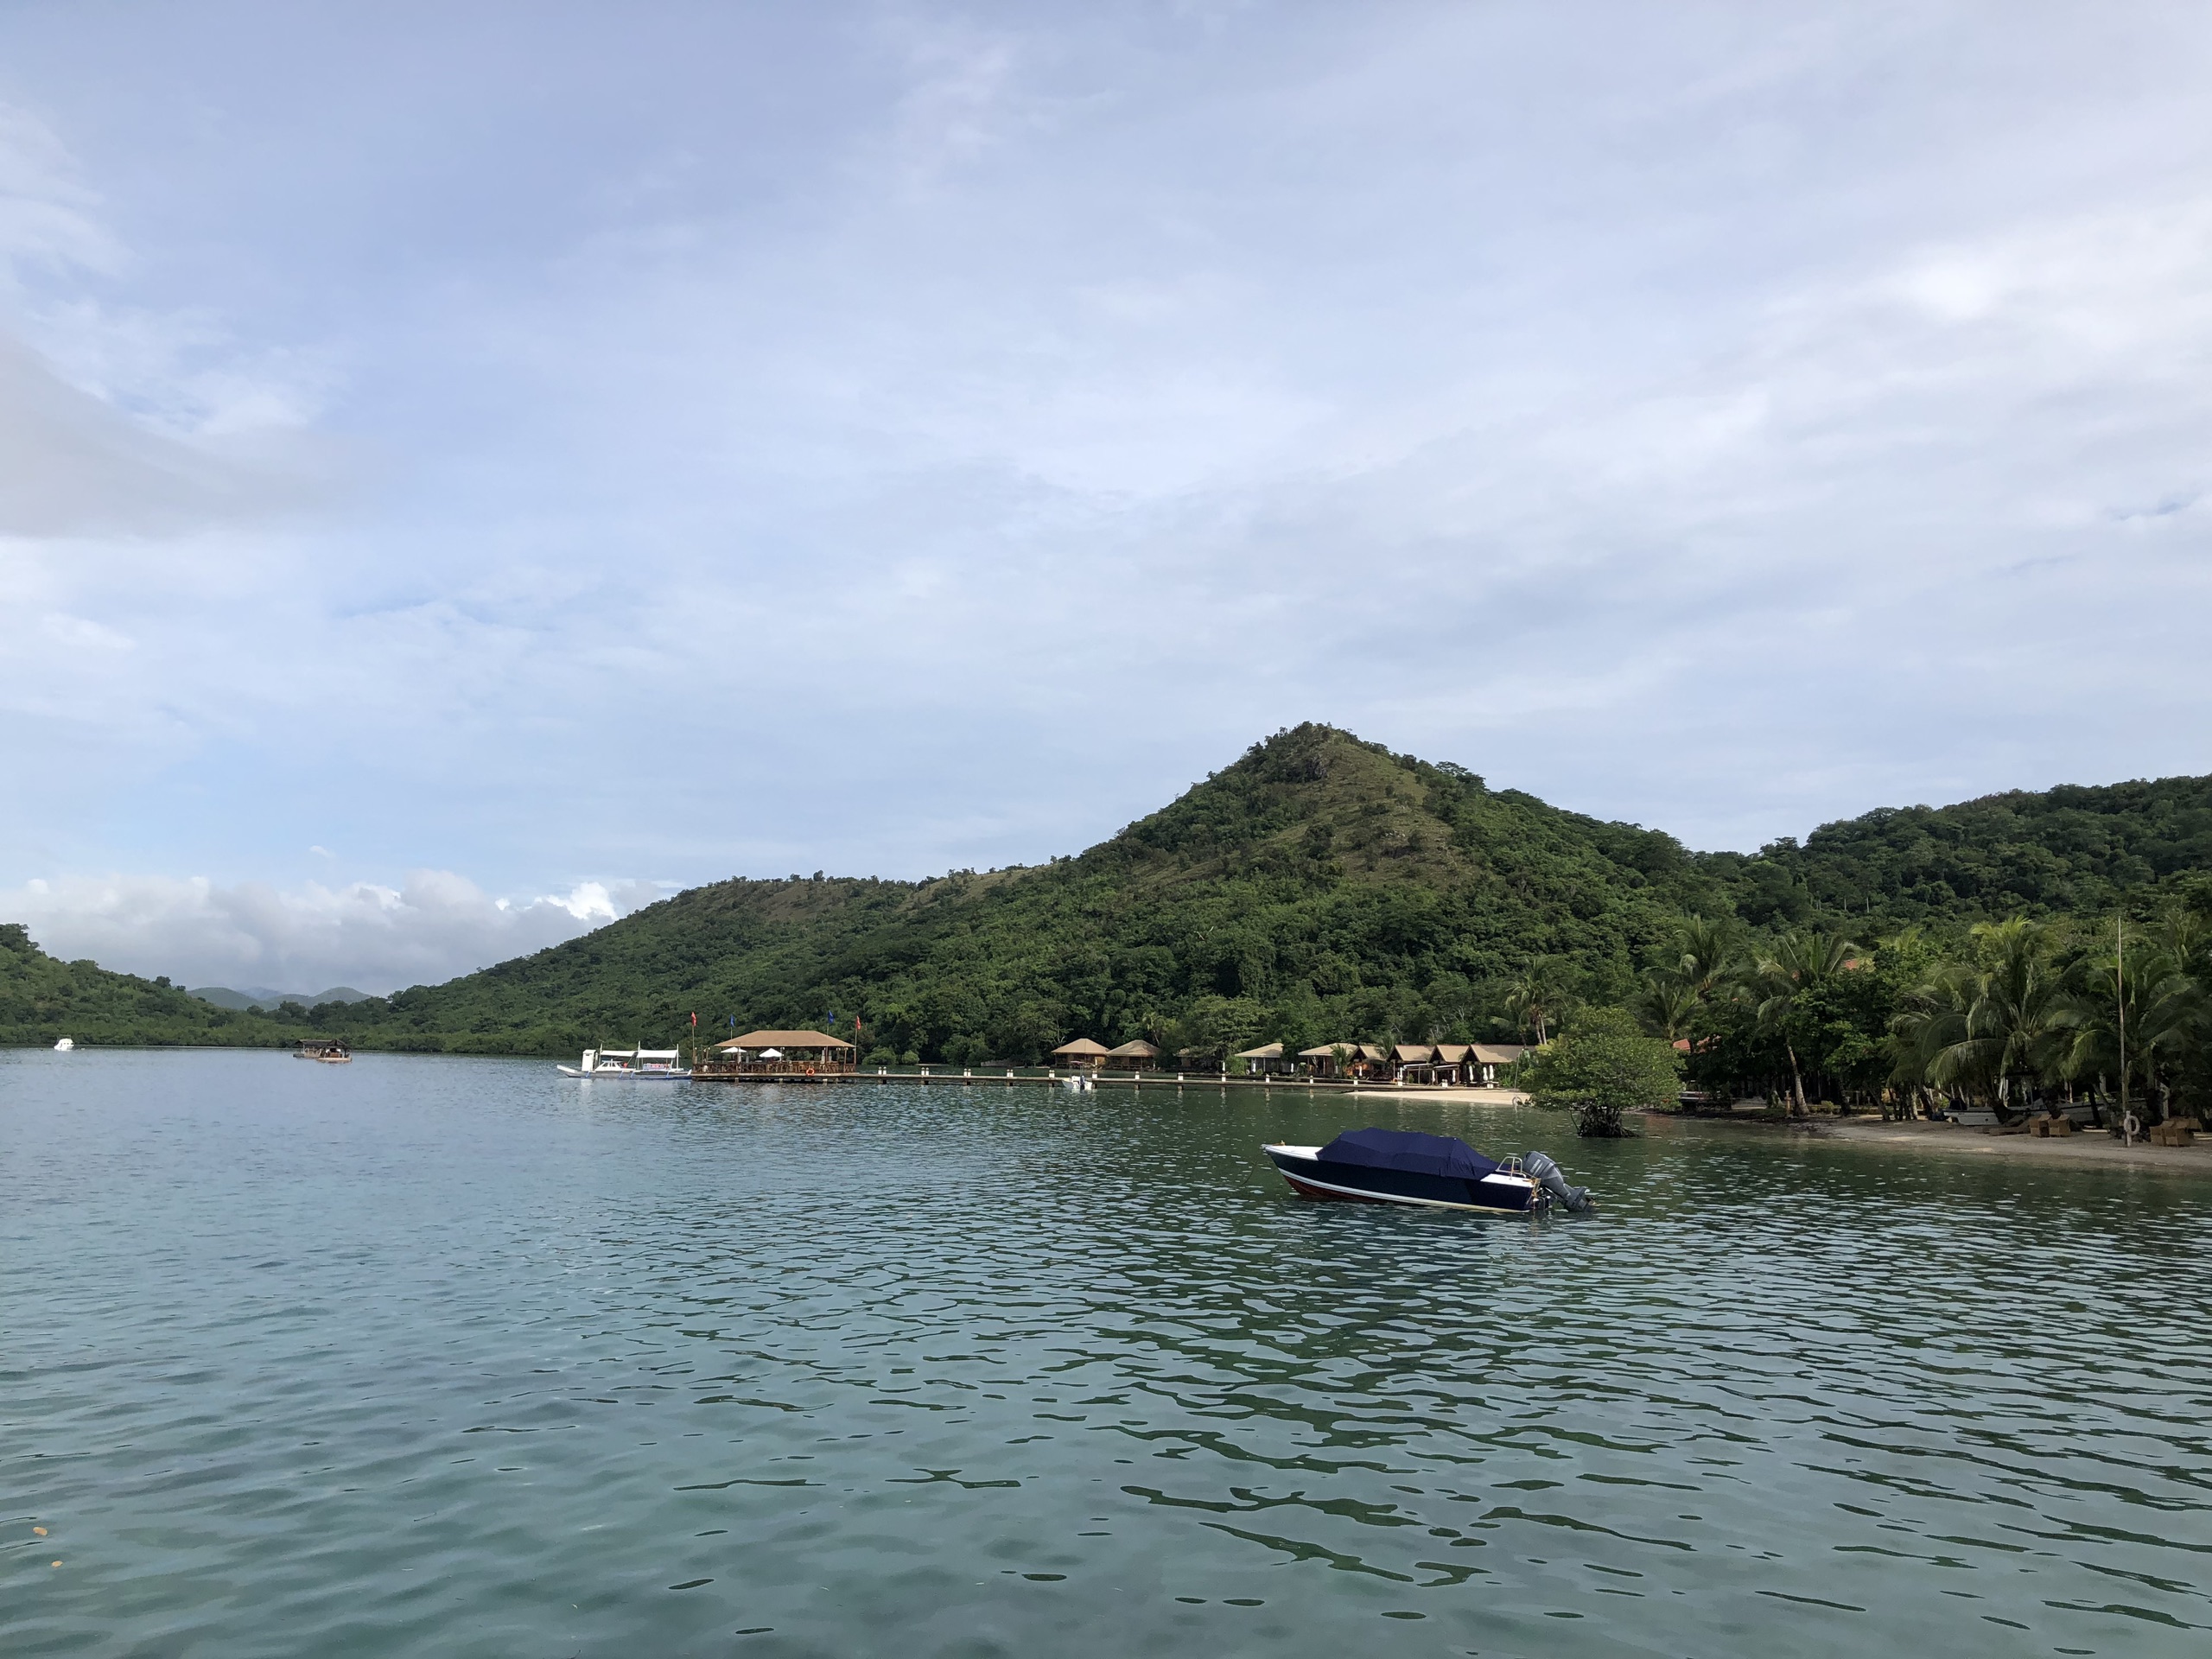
456, 1356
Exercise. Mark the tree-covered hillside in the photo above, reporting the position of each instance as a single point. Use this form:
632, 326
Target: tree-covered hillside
1317, 886
42, 1000
2070, 850
1317, 889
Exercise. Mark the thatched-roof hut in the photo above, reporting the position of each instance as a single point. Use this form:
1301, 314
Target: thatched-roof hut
1133, 1056
1268, 1059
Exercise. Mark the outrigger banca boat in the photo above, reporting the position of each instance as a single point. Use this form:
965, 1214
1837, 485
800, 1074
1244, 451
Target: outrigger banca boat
656, 1063
1431, 1171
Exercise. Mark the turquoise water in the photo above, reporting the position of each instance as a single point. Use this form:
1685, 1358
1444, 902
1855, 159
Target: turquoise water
456, 1356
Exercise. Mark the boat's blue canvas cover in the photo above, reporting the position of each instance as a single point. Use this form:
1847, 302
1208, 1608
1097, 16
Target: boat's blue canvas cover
1408, 1150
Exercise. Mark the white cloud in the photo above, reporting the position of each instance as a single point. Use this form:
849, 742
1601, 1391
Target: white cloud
376, 938
128, 417
48, 215
903, 444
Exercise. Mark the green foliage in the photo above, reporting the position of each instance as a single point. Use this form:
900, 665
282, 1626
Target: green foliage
43, 999
2141, 1017
1601, 1067
1320, 887
2067, 851
1997, 1016
2024, 1008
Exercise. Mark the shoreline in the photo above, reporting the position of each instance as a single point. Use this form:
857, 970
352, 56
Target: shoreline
1955, 1140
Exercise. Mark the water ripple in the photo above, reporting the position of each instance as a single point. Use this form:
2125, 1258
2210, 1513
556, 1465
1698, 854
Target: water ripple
454, 1356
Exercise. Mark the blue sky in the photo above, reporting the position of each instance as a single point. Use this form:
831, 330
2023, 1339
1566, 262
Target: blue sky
466, 470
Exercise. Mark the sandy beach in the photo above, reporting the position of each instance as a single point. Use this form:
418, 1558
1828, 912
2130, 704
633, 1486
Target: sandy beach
1959, 1141
1953, 1140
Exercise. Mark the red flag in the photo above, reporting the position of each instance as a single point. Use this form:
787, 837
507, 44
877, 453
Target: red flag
694, 1022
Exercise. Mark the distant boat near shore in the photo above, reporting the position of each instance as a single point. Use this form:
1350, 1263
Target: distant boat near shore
64, 1046
654, 1065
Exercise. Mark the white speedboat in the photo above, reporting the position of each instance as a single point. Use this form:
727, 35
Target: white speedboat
64, 1046
654, 1065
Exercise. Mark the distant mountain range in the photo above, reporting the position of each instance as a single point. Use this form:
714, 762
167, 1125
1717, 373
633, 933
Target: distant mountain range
255, 996
1319, 885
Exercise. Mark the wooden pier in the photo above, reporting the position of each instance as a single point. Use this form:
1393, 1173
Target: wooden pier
1136, 1082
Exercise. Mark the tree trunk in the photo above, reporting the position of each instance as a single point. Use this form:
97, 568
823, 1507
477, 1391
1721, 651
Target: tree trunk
1796, 1083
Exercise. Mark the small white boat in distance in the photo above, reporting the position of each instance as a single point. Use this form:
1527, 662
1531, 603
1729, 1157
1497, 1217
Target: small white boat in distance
64, 1046
658, 1064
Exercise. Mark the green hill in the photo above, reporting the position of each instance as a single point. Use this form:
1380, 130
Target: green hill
2067, 851
43, 999
1319, 887
1319, 884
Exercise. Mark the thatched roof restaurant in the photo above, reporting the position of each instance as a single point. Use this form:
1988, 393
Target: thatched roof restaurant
1082, 1052
779, 1053
1133, 1056
808, 1045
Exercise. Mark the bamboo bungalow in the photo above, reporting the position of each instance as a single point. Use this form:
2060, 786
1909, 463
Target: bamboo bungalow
1322, 1062
1136, 1056
780, 1054
1485, 1060
1269, 1060
1358, 1060
1082, 1052
1421, 1062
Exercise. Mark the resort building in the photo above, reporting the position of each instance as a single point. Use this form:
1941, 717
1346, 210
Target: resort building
1485, 1060
1421, 1063
1475, 1063
1269, 1060
1364, 1060
1136, 1056
1081, 1052
791, 1053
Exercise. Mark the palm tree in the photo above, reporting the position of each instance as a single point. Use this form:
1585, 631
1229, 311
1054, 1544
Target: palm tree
2144, 1008
1538, 998
1707, 954
1797, 963
2007, 1016
1667, 1006
1697, 966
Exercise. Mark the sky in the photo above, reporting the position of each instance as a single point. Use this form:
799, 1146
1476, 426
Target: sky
468, 470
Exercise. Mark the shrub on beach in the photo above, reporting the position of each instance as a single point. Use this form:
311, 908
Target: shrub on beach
1601, 1067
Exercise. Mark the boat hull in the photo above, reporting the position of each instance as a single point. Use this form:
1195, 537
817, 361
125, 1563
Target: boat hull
1313, 1177
606, 1073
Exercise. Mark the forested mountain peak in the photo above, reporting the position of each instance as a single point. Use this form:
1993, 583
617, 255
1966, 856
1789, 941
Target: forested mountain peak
1318, 887
1319, 881
1314, 795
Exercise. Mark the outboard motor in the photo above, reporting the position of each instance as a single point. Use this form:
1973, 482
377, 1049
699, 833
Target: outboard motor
1547, 1176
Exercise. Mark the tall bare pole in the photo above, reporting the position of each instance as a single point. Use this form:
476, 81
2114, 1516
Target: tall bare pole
2119, 1006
